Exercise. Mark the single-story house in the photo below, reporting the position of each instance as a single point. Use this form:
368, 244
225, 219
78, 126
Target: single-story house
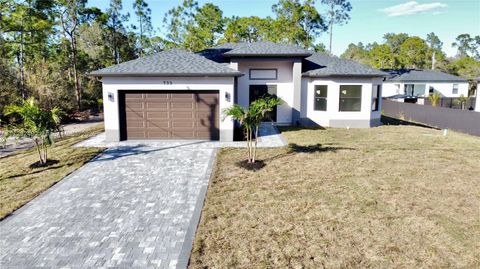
477, 104
423, 82
176, 94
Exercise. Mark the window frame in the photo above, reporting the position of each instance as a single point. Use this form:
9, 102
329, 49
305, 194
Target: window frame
340, 98
455, 88
315, 97
378, 89
262, 69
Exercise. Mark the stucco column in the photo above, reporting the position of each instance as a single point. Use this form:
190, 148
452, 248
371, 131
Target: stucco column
297, 90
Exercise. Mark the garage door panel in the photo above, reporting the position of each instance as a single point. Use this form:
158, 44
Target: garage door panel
206, 107
181, 115
158, 134
171, 115
134, 96
182, 105
134, 115
180, 124
157, 115
206, 114
207, 100
181, 96
183, 134
137, 124
205, 135
134, 105
156, 96
136, 135
203, 126
157, 124
157, 105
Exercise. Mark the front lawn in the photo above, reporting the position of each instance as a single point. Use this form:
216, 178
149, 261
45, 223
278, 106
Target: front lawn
391, 196
19, 183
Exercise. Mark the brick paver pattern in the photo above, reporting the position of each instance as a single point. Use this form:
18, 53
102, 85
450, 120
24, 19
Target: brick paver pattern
130, 207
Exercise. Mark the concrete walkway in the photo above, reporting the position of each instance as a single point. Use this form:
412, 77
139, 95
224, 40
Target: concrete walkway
134, 206
269, 137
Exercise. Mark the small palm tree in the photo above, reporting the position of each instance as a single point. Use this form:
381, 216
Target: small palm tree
462, 101
250, 118
35, 123
434, 98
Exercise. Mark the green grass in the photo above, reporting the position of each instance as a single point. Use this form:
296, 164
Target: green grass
391, 196
19, 183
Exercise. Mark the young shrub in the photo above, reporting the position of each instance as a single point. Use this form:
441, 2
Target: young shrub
36, 124
250, 118
462, 101
434, 98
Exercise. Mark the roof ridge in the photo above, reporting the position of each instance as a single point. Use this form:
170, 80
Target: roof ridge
168, 62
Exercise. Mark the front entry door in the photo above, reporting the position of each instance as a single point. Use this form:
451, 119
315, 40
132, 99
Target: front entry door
259, 91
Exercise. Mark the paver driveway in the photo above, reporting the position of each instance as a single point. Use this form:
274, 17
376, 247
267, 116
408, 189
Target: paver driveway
130, 207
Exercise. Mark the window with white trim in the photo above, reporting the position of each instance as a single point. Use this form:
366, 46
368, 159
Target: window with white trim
320, 98
263, 74
350, 98
455, 89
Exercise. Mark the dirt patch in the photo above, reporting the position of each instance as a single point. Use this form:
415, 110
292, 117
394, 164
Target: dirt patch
48, 163
257, 165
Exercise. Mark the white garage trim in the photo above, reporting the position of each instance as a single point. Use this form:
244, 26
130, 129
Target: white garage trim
111, 86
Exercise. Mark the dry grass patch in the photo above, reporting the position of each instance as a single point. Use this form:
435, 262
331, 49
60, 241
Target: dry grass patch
392, 196
19, 183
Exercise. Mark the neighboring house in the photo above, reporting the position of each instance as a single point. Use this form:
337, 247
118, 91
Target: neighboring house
477, 105
423, 82
177, 94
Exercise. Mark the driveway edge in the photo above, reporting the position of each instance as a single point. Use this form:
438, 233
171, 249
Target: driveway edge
187, 246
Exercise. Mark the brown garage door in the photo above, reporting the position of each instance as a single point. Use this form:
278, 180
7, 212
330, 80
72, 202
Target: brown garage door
170, 115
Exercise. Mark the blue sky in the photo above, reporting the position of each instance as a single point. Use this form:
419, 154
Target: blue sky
370, 19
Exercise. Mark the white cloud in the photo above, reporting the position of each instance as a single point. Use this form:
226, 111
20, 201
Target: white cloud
413, 7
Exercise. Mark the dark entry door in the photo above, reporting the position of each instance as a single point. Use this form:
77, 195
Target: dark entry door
259, 91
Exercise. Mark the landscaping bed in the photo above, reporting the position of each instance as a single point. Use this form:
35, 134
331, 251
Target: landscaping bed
20, 181
391, 196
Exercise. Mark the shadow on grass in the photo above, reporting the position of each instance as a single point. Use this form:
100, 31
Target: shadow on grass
295, 148
37, 171
393, 121
299, 128
292, 148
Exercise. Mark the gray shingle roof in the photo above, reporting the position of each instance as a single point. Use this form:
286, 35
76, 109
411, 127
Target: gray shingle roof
214, 62
420, 75
258, 49
321, 65
175, 62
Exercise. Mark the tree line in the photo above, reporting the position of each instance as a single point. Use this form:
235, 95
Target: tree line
48, 47
404, 51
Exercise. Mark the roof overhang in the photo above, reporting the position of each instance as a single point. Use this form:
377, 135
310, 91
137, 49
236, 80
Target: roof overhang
266, 55
426, 81
233, 74
343, 75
